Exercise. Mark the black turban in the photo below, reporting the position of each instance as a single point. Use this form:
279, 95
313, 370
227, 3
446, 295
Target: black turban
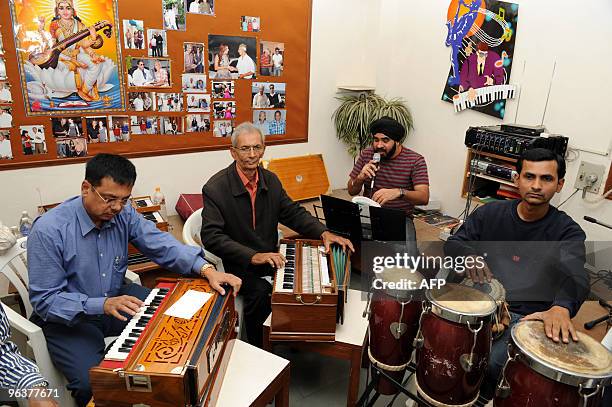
389, 127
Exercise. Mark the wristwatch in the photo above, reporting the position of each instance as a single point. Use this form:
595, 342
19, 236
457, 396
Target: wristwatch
206, 267
401, 193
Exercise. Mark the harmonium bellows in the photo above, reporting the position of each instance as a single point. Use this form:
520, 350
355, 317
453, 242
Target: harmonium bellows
309, 292
166, 361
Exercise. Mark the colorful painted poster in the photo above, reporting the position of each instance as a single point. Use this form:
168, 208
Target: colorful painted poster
69, 55
481, 35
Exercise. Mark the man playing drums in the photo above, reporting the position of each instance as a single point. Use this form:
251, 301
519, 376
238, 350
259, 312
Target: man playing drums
536, 251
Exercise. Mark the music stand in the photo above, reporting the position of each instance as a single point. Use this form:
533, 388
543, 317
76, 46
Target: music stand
388, 225
342, 217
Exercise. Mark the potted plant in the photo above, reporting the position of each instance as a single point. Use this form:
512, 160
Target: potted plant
353, 117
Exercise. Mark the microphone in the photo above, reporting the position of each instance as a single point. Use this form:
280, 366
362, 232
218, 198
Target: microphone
376, 159
593, 220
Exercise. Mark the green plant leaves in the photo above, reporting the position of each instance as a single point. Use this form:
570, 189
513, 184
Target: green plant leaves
353, 117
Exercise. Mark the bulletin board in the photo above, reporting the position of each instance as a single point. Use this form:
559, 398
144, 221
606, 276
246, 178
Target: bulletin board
61, 95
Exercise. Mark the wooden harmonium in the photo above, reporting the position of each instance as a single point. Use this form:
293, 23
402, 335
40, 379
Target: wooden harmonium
309, 292
164, 361
145, 206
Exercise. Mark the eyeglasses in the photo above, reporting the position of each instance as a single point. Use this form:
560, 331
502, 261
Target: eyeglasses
112, 201
247, 149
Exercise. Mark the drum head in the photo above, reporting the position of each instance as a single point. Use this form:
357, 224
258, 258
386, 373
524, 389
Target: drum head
586, 358
495, 289
463, 300
397, 281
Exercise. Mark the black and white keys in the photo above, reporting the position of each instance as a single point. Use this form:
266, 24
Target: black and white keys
285, 276
136, 326
484, 95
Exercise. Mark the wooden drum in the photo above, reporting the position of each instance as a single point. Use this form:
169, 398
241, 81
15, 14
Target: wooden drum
453, 345
394, 321
543, 373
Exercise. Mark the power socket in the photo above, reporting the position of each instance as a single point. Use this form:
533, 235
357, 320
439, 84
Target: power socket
590, 177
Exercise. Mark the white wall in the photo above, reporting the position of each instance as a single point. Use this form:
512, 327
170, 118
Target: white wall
188, 172
400, 48
576, 36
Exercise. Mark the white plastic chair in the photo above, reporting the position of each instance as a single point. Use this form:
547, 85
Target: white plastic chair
191, 236
13, 265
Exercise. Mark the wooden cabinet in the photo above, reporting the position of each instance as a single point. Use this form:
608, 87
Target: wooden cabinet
486, 185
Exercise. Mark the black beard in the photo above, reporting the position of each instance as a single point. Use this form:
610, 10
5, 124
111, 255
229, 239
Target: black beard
387, 156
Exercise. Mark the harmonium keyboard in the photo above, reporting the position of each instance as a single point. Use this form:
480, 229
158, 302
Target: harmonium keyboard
145, 206
309, 292
164, 361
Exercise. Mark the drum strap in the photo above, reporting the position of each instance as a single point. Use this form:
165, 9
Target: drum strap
384, 366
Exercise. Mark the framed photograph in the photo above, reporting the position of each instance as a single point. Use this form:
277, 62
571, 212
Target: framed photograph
231, 57
193, 57
6, 117
222, 89
268, 95
119, 129
49, 80
198, 123
206, 7
249, 24
5, 93
133, 34
142, 101
272, 58
97, 129
71, 147
174, 14
198, 102
149, 72
157, 43
169, 102
224, 110
172, 125
194, 82
223, 128
33, 140
6, 152
71, 127
141, 125
272, 120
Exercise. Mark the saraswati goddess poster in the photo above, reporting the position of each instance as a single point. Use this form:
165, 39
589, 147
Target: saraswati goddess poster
68, 55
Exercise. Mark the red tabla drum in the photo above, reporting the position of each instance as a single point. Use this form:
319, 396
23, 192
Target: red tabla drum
543, 373
453, 345
394, 321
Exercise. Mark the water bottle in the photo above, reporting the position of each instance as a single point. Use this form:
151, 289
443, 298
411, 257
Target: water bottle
15, 231
25, 224
158, 198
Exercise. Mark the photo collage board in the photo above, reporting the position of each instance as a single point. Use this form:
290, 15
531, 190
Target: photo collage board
159, 77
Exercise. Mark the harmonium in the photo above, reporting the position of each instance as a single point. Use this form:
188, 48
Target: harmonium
309, 292
137, 261
161, 360
150, 211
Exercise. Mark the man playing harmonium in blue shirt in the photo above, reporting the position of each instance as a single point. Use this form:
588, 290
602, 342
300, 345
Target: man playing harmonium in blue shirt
77, 259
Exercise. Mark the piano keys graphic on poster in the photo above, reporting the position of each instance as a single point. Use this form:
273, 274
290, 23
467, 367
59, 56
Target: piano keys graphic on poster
481, 35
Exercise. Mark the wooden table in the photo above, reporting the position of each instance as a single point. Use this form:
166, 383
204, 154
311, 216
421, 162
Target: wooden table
254, 377
349, 344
